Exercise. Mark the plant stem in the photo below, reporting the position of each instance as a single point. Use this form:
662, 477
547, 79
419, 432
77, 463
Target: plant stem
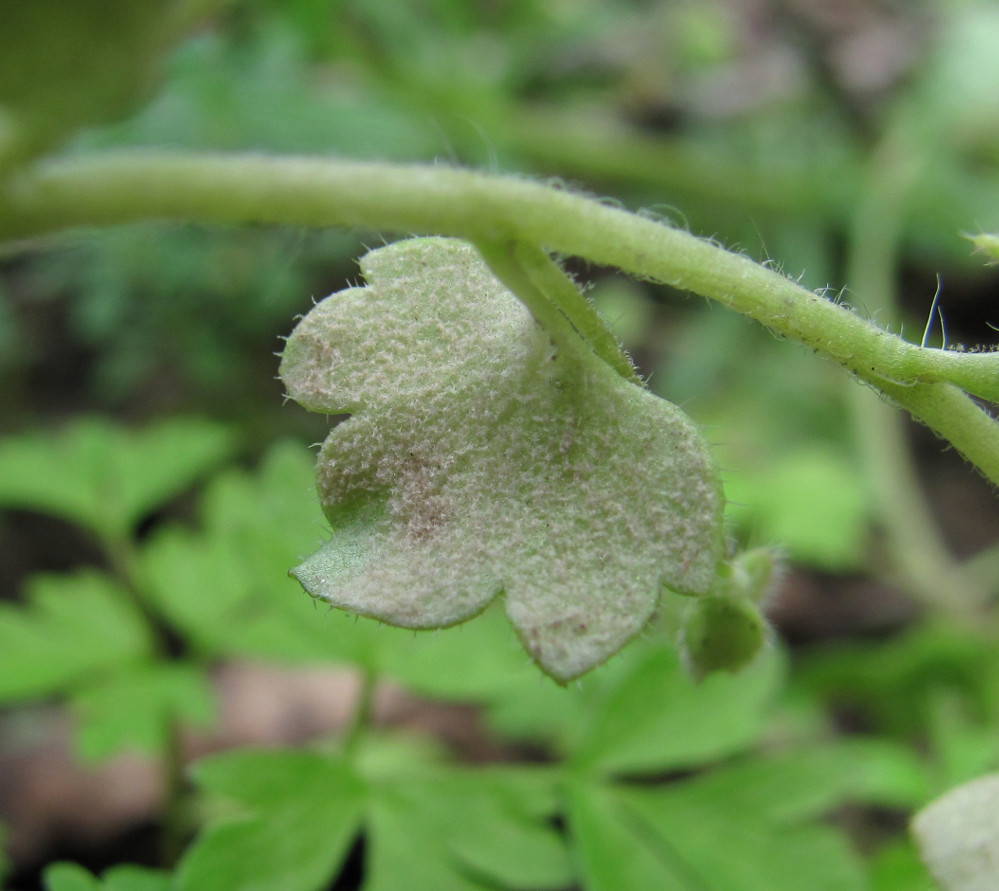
129, 186
921, 560
173, 836
363, 711
555, 301
124, 562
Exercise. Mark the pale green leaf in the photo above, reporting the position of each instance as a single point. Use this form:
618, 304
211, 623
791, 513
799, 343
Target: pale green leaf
479, 458
958, 836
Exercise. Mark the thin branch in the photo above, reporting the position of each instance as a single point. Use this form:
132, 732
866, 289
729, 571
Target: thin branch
124, 187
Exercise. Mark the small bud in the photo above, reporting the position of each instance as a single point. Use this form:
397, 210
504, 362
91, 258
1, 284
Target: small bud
726, 629
721, 634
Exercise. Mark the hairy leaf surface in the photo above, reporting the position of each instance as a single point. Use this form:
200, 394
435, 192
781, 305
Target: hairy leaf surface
478, 458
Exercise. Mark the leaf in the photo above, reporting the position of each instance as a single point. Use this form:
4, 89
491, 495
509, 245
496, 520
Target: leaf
466, 829
254, 524
958, 835
72, 877
813, 501
657, 718
301, 812
226, 587
723, 847
479, 458
136, 709
72, 629
477, 662
897, 865
104, 477
742, 827
612, 853
69, 65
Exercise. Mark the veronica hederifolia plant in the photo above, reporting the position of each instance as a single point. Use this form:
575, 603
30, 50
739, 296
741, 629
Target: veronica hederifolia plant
484, 456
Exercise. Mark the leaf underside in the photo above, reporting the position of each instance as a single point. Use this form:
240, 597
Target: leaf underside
479, 459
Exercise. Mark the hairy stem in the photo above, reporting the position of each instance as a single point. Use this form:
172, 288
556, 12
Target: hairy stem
124, 187
555, 301
921, 561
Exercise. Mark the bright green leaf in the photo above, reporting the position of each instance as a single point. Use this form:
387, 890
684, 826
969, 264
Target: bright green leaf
226, 587
302, 812
813, 501
725, 847
611, 852
479, 458
658, 718
807, 783
475, 662
897, 865
135, 709
104, 477
748, 826
72, 877
471, 829
71, 630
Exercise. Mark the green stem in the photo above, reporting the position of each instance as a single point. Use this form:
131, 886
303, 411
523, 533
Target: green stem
919, 557
360, 722
124, 187
173, 834
555, 301
123, 558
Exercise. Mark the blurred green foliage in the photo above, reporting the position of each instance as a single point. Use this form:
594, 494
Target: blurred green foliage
757, 776
754, 126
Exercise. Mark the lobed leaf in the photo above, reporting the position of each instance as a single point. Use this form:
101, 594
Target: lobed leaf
73, 877
656, 718
106, 478
133, 709
72, 629
479, 459
425, 826
301, 811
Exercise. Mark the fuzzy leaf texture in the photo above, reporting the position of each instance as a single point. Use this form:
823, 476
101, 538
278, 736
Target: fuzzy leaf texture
478, 459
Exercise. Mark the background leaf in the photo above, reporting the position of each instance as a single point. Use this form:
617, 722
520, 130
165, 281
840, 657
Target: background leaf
301, 813
104, 477
658, 718
137, 709
71, 877
72, 631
